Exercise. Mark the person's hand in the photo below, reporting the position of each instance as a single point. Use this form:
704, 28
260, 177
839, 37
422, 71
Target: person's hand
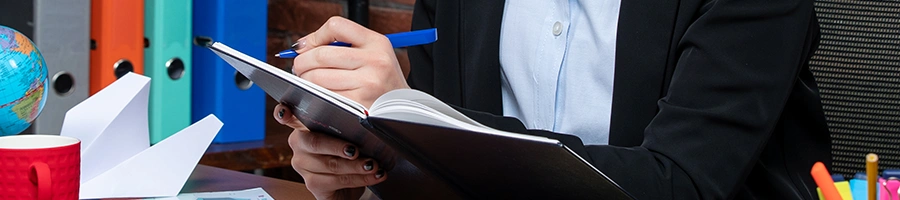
362, 72
330, 167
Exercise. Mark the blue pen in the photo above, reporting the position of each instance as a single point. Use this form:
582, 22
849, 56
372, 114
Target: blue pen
398, 40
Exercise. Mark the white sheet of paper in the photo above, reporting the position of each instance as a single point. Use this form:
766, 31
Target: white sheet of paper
158, 171
112, 124
248, 194
117, 160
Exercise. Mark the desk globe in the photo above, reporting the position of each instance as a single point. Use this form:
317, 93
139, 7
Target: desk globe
23, 82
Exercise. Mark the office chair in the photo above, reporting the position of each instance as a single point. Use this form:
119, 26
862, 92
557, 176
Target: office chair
857, 68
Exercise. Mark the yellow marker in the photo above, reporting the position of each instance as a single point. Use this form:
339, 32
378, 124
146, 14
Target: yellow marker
872, 174
843, 188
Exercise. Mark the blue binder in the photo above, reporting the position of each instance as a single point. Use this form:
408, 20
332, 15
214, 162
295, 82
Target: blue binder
216, 87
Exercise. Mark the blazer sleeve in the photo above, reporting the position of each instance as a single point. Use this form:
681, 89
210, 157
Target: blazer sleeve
737, 63
420, 56
736, 67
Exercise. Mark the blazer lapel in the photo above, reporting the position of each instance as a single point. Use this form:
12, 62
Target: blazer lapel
642, 46
480, 54
643, 43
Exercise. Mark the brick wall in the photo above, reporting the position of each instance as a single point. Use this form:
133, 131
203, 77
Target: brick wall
291, 19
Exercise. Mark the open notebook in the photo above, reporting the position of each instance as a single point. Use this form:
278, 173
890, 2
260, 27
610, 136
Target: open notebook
474, 160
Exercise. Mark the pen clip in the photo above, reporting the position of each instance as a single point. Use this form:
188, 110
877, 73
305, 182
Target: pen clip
340, 44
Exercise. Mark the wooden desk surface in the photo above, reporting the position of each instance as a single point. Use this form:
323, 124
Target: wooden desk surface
213, 179
271, 152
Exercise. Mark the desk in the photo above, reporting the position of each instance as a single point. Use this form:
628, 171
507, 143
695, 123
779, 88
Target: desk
272, 152
213, 179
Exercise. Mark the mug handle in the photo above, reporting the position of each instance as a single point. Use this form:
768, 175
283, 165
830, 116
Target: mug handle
42, 180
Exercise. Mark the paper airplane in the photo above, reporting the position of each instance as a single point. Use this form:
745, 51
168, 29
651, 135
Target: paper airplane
117, 160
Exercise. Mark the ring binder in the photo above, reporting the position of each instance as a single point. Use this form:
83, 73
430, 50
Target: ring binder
117, 38
167, 58
218, 88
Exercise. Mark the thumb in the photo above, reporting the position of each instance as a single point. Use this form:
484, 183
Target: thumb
284, 116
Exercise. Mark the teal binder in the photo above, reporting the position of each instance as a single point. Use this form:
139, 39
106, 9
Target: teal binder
168, 62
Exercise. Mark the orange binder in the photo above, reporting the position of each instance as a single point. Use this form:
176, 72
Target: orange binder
117, 40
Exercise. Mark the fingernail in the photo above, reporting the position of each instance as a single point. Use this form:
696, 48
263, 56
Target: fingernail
299, 45
281, 113
369, 165
350, 151
379, 174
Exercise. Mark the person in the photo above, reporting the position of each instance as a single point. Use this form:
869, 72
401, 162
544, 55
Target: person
691, 99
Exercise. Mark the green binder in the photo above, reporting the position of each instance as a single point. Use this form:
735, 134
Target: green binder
167, 28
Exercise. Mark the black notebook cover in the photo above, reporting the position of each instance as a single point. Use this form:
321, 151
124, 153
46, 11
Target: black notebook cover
436, 162
485, 166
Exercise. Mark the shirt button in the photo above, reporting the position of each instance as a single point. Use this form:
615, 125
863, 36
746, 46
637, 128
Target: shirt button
557, 28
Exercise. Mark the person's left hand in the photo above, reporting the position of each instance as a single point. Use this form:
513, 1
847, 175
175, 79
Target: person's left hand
362, 72
330, 169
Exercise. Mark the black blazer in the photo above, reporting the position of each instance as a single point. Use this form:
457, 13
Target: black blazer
713, 99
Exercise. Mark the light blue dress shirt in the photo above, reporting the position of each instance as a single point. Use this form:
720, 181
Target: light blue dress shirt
557, 62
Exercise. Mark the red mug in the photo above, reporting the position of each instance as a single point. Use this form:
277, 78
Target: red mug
41, 167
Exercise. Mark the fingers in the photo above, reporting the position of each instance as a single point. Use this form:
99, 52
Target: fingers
284, 116
332, 79
362, 86
340, 29
325, 173
317, 143
323, 164
361, 72
330, 56
329, 182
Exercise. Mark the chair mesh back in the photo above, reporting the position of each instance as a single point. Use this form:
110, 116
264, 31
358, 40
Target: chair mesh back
857, 68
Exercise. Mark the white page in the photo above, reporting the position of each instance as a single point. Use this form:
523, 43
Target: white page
416, 106
423, 99
248, 194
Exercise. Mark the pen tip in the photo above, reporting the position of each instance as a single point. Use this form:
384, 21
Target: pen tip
278, 55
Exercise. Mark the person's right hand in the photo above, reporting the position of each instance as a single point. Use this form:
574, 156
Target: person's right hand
330, 167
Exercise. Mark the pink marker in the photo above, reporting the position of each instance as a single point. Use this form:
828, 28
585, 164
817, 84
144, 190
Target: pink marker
889, 188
